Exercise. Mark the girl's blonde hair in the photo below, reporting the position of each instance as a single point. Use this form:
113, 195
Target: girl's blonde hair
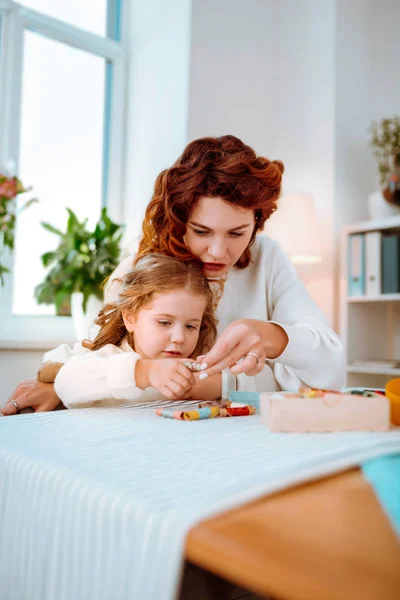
155, 274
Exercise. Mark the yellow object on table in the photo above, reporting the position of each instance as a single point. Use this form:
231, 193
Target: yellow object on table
392, 391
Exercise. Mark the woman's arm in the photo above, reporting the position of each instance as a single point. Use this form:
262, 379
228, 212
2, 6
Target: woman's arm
314, 354
297, 341
245, 345
39, 396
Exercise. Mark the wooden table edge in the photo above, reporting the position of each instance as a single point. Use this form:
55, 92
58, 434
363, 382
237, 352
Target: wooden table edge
326, 539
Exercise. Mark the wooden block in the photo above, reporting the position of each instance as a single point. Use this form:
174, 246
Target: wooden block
330, 411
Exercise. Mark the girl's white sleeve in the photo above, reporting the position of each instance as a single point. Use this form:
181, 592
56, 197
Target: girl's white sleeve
64, 352
104, 377
314, 355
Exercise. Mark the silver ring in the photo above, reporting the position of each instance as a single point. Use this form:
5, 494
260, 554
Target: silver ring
252, 354
15, 404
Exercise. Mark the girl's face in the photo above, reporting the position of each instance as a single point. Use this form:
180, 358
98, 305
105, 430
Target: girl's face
168, 326
218, 233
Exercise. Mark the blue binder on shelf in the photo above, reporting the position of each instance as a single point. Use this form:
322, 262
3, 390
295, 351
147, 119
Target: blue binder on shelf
356, 265
391, 264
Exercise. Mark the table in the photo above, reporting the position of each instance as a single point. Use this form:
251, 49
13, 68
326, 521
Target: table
326, 540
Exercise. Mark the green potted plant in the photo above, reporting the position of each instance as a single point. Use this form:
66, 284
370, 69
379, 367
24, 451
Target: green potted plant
10, 188
82, 261
385, 142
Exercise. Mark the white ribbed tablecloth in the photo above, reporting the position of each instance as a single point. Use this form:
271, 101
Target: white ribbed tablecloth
95, 504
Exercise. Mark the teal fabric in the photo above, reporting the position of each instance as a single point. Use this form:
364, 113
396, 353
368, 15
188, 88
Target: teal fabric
384, 476
252, 398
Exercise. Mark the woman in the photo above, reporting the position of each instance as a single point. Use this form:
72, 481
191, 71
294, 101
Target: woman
208, 207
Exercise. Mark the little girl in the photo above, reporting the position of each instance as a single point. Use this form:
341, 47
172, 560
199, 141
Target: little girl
163, 316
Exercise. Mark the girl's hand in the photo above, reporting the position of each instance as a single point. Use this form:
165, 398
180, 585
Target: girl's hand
244, 346
34, 394
167, 375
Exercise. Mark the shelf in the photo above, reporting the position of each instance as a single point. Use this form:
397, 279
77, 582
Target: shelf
380, 298
374, 225
375, 371
370, 324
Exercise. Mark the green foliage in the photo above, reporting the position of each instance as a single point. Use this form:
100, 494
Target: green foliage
385, 142
81, 262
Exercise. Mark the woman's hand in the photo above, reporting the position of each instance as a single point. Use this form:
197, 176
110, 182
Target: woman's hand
244, 346
167, 375
34, 394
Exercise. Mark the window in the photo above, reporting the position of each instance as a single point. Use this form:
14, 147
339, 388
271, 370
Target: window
62, 83
61, 151
90, 15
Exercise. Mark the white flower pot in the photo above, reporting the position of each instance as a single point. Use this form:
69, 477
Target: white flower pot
379, 208
84, 326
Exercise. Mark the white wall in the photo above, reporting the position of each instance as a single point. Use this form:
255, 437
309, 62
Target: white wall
159, 54
231, 64
305, 123
367, 52
383, 26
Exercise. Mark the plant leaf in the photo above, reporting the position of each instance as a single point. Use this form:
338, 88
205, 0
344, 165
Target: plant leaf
51, 228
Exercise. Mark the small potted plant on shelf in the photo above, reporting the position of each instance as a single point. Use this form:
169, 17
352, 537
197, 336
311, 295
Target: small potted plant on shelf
10, 188
385, 142
80, 264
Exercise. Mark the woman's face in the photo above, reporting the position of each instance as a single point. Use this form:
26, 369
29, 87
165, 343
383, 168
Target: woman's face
218, 233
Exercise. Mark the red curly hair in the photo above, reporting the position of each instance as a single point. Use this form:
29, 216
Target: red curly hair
222, 167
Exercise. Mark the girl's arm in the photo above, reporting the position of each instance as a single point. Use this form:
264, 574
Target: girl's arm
104, 377
112, 376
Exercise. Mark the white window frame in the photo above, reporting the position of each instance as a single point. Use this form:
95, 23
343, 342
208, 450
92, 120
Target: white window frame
38, 331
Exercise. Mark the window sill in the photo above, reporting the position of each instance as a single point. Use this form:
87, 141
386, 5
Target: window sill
29, 332
31, 345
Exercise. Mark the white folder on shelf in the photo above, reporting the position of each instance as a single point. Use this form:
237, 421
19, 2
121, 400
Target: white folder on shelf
373, 260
